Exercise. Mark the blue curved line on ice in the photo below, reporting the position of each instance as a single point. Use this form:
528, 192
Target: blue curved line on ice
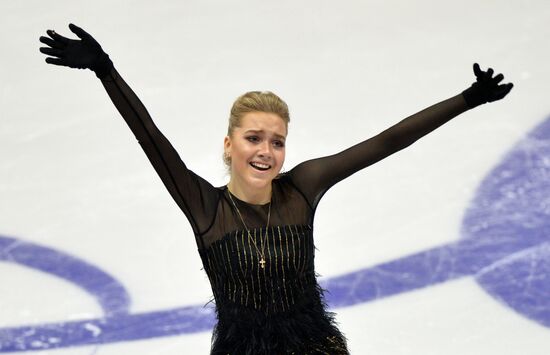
119, 328
512, 206
506, 249
110, 293
505, 241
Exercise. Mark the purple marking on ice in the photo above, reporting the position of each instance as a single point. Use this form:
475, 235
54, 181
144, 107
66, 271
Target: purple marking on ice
521, 281
116, 326
505, 244
464, 258
110, 293
505, 237
513, 203
120, 328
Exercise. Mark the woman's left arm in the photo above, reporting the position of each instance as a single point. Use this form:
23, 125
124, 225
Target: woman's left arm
316, 176
486, 89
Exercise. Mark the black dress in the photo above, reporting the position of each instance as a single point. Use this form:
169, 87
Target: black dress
278, 309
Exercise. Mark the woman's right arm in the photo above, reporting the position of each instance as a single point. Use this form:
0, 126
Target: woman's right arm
195, 196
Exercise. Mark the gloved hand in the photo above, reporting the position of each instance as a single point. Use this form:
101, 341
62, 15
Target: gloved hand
486, 88
85, 53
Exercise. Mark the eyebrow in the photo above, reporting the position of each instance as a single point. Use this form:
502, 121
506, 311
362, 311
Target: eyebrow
262, 131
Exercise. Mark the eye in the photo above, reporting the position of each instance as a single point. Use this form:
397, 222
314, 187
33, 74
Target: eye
253, 139
279, 144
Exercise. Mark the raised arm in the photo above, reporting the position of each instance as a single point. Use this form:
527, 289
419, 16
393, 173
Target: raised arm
315, 177
195, 196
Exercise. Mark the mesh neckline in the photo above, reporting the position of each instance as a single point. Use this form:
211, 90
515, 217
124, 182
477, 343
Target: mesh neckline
266, 205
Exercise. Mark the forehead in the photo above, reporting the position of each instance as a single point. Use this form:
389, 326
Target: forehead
268, 122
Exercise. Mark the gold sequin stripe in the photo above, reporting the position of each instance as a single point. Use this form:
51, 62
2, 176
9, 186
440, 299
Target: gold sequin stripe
252, 263
280, 304
271, 279
266, 288
301, 251
293, 249
306, 249
240, 265
231, 271
215, 274
218, 274
288, 250
226, 286
218, 252
299, 247
283, 267
299, 277
245, 267
211, 276
258, 270
275, 264
291, 289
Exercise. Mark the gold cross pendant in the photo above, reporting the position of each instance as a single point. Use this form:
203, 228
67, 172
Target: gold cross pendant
262, 263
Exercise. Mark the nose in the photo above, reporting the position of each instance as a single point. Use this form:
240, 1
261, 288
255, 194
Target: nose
265, 150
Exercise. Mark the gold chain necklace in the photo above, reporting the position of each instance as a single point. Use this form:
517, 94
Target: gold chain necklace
264, 240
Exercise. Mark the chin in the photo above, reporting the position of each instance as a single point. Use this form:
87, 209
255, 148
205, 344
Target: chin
260, 182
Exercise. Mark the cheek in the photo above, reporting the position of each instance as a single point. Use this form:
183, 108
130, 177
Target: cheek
281, 158
242, 156
239, 152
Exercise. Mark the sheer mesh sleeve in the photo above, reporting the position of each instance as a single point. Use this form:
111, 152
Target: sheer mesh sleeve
314, 177
195, 196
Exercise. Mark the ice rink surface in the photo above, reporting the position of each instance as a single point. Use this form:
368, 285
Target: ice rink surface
442, 248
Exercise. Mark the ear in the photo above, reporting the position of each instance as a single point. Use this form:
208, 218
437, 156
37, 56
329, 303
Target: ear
227, 145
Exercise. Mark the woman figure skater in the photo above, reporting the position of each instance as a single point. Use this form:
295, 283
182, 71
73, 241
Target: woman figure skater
255, 235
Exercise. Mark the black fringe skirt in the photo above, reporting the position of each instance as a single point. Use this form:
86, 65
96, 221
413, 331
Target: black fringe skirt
306, 328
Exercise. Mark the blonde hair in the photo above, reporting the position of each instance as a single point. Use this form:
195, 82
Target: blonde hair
255, 101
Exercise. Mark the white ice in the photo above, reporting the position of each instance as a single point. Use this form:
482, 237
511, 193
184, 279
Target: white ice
73, 178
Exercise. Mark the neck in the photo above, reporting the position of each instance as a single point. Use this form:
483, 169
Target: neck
250, 195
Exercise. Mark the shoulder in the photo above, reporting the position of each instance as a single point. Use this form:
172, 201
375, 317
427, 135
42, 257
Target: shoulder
284, 180
286, 186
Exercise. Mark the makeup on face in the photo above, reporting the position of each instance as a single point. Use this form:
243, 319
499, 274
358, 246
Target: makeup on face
257, 150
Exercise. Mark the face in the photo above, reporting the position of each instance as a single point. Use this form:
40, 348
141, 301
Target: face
257, 149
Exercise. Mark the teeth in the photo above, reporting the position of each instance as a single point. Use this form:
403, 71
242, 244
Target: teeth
260, 165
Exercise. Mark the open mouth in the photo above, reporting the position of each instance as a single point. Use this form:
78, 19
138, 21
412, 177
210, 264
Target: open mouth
260, 166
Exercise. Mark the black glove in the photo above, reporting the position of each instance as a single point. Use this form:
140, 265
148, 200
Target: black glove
486, 88
85, 53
